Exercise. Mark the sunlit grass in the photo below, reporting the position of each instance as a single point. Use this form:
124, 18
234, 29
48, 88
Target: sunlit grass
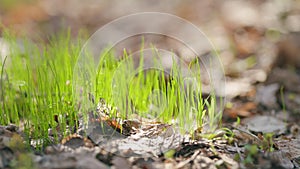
37, 92
153, 93
36, 86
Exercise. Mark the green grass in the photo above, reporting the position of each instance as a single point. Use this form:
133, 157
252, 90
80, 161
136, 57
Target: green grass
36, 86
37, 89
152, 95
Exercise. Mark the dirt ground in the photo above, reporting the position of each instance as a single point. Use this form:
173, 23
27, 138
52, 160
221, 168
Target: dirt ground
259, 44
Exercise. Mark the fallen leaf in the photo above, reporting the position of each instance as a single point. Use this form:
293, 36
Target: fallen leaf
119, 162
282, 159
266, 95
265, 124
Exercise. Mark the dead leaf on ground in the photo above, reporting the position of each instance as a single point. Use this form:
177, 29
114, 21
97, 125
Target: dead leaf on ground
290, 146
282, 159
289, 49
241, 109
266, 95
265, 124
289, 79
120, 162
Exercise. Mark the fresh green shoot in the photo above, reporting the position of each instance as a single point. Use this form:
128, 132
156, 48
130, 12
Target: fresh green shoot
169, 154
267, 142
251, 152
36, 89
283, 102
154, 93
229, 135
37, 92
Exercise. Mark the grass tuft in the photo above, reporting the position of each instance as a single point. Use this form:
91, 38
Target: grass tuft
37, 91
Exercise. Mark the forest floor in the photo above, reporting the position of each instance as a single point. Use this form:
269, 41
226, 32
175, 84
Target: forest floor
261, 59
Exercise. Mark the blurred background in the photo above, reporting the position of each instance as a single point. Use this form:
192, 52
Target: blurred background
258, 40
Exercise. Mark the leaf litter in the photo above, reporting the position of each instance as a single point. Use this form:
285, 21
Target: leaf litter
264, 59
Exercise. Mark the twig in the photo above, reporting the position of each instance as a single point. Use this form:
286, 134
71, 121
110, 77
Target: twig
183, 163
